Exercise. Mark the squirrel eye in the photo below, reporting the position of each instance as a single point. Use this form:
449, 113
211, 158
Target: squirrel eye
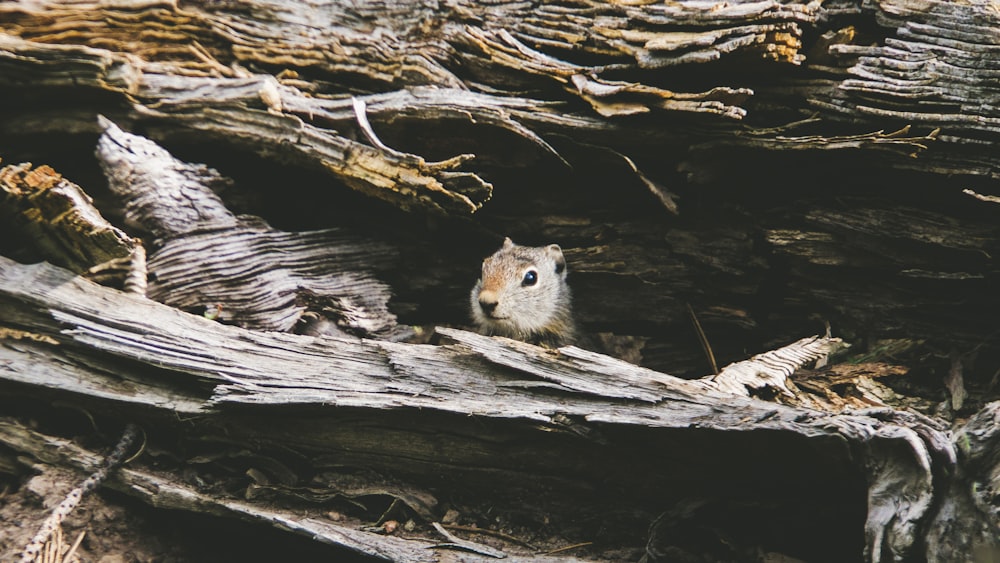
530, 278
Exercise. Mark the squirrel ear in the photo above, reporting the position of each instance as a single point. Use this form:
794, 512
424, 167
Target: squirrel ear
555, 252
507, 243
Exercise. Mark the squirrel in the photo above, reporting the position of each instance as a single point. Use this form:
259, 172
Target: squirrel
523, 294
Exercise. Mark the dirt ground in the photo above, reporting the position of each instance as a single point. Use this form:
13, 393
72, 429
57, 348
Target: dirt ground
118, 529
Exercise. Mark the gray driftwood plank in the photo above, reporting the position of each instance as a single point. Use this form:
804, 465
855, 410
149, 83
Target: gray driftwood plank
250, 378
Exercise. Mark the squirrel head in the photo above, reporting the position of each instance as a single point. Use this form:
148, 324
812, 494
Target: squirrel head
523, 294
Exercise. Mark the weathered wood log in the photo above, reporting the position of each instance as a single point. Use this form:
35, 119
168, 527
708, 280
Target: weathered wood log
526, 95
237, 269
592, 414
770, 166
166, 493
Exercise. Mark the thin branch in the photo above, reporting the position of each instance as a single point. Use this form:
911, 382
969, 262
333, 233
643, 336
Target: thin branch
703, 340
488, 532
53, 522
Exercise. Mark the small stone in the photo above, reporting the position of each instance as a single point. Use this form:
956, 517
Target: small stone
450, 517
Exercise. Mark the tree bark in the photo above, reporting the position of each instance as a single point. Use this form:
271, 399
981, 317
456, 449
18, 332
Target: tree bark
768, 169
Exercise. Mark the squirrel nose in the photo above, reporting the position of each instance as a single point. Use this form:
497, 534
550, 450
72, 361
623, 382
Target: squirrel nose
488, 301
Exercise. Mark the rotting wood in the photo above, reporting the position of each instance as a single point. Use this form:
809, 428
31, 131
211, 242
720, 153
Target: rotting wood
668, 41
56, 216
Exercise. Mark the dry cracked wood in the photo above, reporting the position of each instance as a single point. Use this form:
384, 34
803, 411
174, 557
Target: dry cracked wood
58, 218
506, 386
237, 269
263, 82
408, 180
814, 160
458, 47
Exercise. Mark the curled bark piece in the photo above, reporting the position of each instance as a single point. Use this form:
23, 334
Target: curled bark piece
360, 109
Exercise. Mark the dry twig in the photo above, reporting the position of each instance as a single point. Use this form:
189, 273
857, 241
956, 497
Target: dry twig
51, 525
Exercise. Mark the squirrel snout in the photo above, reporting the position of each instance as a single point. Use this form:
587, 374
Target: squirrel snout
488, 301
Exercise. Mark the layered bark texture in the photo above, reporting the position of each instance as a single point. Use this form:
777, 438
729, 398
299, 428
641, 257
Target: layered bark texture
303, 191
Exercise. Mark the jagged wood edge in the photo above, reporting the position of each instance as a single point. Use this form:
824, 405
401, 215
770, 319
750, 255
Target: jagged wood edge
407, 181
164, 93
58, 218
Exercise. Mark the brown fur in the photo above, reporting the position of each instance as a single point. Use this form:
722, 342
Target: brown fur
504, 305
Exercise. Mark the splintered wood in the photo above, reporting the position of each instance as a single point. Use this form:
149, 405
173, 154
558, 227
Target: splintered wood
58, 219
